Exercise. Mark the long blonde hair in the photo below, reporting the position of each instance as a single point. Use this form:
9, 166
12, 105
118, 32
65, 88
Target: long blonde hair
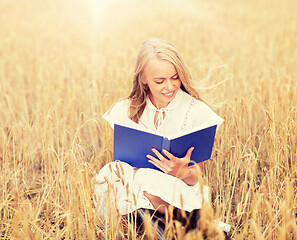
163, 50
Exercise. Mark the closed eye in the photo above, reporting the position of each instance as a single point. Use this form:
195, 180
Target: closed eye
159, 82
175, 77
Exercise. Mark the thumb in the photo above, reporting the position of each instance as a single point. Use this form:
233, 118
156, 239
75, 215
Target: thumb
189, 152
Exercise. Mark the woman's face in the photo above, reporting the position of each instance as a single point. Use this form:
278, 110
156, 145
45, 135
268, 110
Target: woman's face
162, 80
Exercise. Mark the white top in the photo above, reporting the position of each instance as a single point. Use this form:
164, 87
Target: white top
182, 113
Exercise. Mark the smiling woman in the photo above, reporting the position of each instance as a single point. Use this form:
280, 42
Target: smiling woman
163, 81
160, 101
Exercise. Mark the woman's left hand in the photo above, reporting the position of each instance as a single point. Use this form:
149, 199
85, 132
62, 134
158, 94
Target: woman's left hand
174, 166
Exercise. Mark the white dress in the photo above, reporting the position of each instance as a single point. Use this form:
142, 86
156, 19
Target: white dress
119, 185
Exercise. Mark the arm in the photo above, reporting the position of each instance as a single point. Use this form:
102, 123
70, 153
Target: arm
177, 167
192, 177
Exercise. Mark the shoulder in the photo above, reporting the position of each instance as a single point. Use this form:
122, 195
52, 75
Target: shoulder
200, 113
118, 113
186, 98
193, 104
121, 106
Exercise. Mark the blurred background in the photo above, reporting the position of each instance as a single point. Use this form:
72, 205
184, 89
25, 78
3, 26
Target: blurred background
64, 63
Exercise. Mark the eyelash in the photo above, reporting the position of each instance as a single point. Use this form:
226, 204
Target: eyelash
174, 78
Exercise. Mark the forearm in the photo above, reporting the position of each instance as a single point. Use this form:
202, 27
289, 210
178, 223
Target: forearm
191, 177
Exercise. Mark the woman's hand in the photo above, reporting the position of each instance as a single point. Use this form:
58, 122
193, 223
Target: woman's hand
175, 166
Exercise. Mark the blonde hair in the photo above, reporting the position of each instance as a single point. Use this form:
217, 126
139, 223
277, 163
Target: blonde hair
163, 50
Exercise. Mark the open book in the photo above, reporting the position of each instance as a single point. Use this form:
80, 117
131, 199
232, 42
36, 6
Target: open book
132, 145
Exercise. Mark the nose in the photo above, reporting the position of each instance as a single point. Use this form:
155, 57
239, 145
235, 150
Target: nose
169, 85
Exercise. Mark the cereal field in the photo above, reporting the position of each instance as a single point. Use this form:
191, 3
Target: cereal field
64, 63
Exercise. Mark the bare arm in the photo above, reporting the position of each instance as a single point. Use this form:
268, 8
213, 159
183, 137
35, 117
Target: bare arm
191, 178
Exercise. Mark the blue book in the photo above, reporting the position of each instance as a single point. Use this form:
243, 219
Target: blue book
132, 145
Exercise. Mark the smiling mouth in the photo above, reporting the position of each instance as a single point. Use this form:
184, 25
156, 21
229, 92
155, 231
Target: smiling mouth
169, 94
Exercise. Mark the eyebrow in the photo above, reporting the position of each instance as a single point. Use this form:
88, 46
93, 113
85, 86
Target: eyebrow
161, 78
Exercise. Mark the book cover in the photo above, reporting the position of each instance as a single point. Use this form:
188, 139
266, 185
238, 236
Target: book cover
132, 145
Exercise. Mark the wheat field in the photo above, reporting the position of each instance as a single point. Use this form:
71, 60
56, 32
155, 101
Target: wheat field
64, 63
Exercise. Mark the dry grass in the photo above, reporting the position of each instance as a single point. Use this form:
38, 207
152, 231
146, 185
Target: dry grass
63, 63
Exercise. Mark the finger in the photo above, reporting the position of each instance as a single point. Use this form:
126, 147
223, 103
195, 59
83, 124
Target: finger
158, 164
189, 152
158, 154
168, 154
152, 158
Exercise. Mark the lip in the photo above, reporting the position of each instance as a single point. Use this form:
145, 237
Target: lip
169, 94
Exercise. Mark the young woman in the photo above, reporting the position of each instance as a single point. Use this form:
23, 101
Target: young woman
162, 100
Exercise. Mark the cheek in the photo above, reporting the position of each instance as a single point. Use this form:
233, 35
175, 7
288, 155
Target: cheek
178, 84
158, 89
153, 88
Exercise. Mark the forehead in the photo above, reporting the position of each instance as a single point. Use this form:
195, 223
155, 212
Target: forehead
159, 68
